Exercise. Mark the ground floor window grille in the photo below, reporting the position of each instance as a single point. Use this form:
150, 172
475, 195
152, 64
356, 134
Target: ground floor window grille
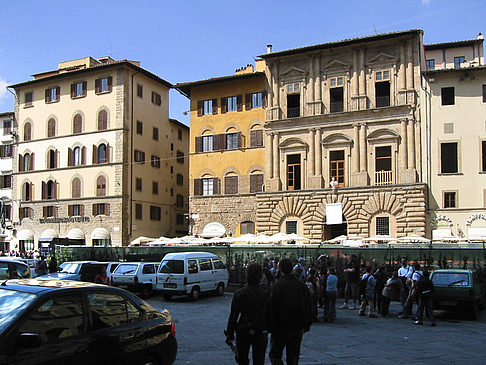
383, 226
291, 227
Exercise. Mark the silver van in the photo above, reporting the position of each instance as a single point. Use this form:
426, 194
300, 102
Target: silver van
191, 273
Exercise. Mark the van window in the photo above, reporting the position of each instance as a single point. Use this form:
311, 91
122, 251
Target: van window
218, 264
4, 272
22, 271
126, 269
205, 264
148, 269
113, 267
192, 266
172, 267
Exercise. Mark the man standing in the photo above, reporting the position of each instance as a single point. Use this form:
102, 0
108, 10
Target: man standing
290, 315
248, 318
351, 277
404, 273
301, 264
369, 294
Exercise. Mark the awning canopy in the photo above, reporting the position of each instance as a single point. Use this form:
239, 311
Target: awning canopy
75, 234
100, 234
25, 235
48, 235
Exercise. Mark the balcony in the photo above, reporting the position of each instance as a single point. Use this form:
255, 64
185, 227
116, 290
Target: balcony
383, 178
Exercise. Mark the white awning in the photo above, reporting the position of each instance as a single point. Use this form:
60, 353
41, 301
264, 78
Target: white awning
100, 234
75, 234
48, 234
25, 235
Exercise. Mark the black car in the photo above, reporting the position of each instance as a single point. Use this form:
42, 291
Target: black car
72, 322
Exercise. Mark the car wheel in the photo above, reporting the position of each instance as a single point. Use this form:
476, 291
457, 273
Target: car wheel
167, 297
146, 290
195, 294
220, 289
149, 360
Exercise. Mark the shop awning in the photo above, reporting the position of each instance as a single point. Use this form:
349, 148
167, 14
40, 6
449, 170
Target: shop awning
25, 235
75, 234
48, 235
100, 234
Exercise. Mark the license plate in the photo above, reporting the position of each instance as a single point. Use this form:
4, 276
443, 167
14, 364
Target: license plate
170, 285
448, 302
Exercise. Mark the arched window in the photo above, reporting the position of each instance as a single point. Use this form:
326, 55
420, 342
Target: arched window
77, 160
102, 120
77, 123
27, 132
247, 227
231, 183
76, 188
26, 192
102, 153
51, 128
52, 159
51, 190
101, 186
27, 162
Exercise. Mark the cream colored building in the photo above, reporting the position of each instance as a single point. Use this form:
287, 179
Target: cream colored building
6, 155
97, 160
454, 127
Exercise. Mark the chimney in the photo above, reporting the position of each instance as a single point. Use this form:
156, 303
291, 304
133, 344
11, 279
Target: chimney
269, 48
481, 36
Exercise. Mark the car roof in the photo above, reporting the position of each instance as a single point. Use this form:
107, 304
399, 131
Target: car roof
182, 255
138, 262
36, 286
19, 261
458, 271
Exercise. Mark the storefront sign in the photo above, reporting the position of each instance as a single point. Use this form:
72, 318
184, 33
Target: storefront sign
475, 217
334, 213
213, 229
64, 220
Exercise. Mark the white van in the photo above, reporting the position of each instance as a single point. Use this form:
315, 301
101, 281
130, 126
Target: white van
191, 273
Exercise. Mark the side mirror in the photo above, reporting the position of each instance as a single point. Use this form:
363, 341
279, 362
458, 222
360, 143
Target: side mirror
27, 340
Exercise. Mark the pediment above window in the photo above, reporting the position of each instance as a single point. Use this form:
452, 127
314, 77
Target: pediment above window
383, 135
382, 59
293, 143
293, 73
337, 140
336, 66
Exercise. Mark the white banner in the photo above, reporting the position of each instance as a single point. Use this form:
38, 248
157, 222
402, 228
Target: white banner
334, 213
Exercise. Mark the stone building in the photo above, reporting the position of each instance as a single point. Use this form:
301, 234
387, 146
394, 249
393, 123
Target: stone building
342, 143
454, 127
97, 160
6, 155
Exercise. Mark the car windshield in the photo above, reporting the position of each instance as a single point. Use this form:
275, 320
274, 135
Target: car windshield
126, 269
71, 268
172, 267
11, 305
450, 279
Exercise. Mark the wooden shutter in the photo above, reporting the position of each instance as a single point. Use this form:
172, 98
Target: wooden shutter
199, 144
215, 106
97, 85
216, 186
252, 183
107, 154
240, 140
94, 209
107, 208
70, 157
222, 141
95, 154
110, 83
216, 142
47, 94
83, 156
197, 186
81, 209
264, 98
85, 88
32, 160
248, 101
55, 187
73, 90
31, 191
239, 103
70, 210
200, 108
44, 190
259, 135
44, 212
56, 158
21, 163
58, 93
224, 105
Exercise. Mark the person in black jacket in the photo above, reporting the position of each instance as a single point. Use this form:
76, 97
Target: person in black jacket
248, 318
290, 315
425, 289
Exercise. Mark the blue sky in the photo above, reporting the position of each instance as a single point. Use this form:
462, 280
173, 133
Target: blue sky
188, 40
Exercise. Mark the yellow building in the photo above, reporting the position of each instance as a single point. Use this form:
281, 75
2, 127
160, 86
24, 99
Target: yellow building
97, 161
226, 151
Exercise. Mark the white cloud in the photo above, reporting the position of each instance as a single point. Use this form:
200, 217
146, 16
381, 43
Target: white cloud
3, 87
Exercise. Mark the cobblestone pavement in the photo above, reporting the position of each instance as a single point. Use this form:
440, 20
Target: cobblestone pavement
351, 339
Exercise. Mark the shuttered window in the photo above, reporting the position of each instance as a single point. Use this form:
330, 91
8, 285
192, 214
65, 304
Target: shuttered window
155, 213
51, 128
256, 183
52, 94
206, 107
103, 85
101, 209
77, 123
138, 211
101, 186
27, 132
156, 98
76, 188
256, 138
102, 120
78, 89
231, 185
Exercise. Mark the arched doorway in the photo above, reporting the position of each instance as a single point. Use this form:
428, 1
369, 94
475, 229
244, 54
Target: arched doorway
335, 230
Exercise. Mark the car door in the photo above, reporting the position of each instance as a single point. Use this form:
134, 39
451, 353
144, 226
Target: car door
116, 328
53, 332
206, 274
220, 272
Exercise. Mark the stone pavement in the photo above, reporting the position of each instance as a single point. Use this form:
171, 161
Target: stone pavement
351, 339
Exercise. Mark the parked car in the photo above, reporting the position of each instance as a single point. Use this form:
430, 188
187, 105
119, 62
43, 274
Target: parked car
136, 276
14, 269
72, 322
32, 264
110, 268
191, 273
77, 270
458, 289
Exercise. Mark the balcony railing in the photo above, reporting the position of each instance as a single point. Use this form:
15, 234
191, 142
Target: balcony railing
336, 107
383, 178
382, 101
293, 112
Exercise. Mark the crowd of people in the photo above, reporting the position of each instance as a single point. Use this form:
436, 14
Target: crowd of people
284, 298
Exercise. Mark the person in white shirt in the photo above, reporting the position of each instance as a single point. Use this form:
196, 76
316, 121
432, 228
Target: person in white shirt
406, 271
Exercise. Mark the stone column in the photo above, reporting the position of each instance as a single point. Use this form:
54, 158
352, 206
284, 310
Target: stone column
354, 79
362, 149
411, 144
318, 137
403, 145
276, 157
312, 154
410, 66
418, 149
362, 73
310, 89
276, 93
318, 85
401, 69
355, 155
270, 86
269, 156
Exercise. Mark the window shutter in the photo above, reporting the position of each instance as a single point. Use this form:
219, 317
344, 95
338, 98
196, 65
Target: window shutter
259, 134
197, 186
199, 144
239, 103
70, 210
55, 187
95, 154
31, 192
248, 101
110, 83
21, 163
200, 108
85, 88
222, 141
47, 95
83, 156
97, 87
73, 90
94, 209
56, 158
240, 140
107, 209
58, 93
224, 105
108, 153
216, 142
216, 185
44, 212
215, 106
44, 190
227, 184
32, 160
81, 209
264, 99
70, 157
253, 138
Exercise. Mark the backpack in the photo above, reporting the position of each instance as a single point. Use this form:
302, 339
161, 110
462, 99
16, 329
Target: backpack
363, 284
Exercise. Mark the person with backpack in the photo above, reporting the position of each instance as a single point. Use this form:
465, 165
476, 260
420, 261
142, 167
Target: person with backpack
425, 289
331, 293
367, 291
412, 294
